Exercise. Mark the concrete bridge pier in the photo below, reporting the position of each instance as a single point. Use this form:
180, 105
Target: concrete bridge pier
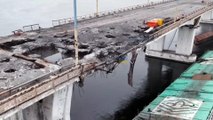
17, 116
58, 106
54, 107
207, 17
176, 45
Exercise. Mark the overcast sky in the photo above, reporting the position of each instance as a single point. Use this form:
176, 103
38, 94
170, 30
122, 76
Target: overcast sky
16, 13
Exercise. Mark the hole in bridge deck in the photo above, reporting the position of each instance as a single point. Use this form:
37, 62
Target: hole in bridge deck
50, 53
9, 70
110, 36
4, 60
8, 45
81, 54
53, 54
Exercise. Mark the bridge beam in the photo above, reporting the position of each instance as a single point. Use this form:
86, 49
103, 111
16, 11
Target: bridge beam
176, 45
17, 116
207, 17
53, 107
58, 105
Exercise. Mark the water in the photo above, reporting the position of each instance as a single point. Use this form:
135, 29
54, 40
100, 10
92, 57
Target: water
15, 14
115, 96
119, 95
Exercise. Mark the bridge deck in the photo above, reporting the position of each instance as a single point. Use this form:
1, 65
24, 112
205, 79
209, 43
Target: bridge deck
38, 57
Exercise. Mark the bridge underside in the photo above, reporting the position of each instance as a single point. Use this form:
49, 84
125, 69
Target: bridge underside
177, 44
101, 39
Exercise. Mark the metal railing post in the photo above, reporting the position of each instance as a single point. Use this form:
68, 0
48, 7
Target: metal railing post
75, 32
97, 8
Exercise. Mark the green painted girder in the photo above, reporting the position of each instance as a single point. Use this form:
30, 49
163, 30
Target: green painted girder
198, 68
207, 55
202, 114
200, 86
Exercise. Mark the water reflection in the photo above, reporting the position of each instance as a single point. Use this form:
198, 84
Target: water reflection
120, 94
131, 69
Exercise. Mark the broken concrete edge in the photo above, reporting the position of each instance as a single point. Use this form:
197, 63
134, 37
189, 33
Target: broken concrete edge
146, 41
168, 26
39, 88
21, 93
36, 99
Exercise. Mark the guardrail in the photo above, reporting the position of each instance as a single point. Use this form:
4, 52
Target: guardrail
181, 21
33, 27
14, 98
63, 21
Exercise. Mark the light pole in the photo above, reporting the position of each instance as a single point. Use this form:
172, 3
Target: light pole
97, 7
75, 31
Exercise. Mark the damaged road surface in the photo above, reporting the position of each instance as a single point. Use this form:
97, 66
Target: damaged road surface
49, 54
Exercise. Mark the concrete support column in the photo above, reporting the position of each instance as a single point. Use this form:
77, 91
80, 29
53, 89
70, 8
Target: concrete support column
17, 116
58, 105
185, 41
156, 45
32, 112
207, 17
176, 45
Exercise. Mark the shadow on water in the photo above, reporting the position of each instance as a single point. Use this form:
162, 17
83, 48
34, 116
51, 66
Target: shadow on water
123, 93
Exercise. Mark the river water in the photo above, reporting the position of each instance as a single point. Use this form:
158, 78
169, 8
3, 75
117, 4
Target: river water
118, 95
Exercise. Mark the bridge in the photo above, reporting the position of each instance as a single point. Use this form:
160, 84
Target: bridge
39, 85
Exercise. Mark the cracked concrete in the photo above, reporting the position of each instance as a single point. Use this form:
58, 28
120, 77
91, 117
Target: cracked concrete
100, 39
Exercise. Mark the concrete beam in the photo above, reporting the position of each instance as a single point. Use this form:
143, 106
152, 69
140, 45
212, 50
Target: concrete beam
185, 41
207, 16
37, 99
17, 116
156, 45
181, 40
58, 105
171, 56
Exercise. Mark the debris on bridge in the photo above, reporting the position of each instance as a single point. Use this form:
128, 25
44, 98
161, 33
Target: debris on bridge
36, 60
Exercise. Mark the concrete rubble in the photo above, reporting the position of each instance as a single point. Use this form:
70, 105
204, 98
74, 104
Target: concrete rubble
100, 39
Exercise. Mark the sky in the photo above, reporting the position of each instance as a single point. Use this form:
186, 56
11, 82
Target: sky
15, 14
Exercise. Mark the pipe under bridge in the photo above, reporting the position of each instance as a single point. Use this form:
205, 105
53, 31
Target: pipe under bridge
22, 99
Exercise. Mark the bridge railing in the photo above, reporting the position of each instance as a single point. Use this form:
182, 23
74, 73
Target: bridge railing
181, 21
13, 98
64, 21
61, 21
33, 27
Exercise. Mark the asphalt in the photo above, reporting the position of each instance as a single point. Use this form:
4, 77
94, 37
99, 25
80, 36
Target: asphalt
38, 53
